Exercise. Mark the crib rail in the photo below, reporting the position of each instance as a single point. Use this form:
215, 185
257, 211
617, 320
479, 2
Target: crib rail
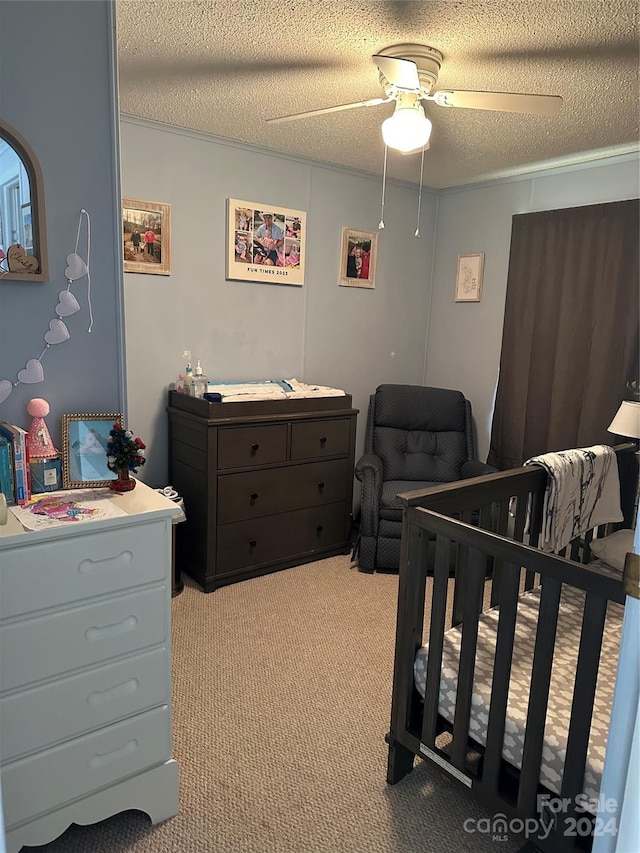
474, 536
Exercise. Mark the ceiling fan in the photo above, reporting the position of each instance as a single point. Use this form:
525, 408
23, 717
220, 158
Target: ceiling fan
408, 74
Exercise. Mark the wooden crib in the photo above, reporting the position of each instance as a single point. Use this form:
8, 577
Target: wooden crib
465, 546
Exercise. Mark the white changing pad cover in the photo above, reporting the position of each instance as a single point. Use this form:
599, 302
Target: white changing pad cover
561, 688
271, 389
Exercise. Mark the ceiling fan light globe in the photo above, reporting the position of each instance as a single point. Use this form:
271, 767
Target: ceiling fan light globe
408, 129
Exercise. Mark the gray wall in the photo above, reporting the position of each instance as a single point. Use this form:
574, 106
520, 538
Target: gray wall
349, 338
464, 339
57, 89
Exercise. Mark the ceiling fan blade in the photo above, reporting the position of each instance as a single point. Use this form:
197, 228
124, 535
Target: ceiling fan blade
402, 73
541, 105
372, 102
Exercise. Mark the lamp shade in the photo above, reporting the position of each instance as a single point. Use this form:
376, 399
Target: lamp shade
408, 129
627, 420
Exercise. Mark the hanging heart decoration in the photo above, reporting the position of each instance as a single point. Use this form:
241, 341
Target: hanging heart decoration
32, 372
68, 304
5, 389
57, 333
76, 267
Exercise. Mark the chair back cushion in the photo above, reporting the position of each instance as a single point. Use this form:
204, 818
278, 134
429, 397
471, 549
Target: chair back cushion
420, 433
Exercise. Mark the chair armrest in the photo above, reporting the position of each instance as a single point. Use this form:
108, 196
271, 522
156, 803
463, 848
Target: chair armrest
475, 468
369, 471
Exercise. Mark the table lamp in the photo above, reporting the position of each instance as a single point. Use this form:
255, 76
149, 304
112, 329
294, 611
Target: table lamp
627, 420
627, 423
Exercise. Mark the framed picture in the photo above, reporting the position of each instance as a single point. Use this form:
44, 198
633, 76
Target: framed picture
84, 449
146, 236
265, 243
469, 278
358, 258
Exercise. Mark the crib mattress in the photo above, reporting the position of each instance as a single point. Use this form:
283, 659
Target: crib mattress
561, 689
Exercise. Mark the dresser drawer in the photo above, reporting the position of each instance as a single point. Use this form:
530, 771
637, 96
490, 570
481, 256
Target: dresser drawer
45, 646
240, 447
256, 493
33, 785
82, 566
64, 709
312, 439
263, 540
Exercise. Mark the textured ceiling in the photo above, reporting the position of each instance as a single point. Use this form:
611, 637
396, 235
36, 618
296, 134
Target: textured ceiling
225, 67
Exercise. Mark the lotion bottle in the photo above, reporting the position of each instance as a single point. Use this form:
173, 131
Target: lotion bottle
188, 380
200, 381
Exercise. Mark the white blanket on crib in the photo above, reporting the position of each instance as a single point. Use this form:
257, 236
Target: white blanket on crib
583, 491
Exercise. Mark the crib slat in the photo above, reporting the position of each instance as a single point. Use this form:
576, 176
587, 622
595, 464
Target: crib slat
436, 637
535, 526
460, 586
411, 595
521, 518
473, 598
462, 577
486, 516
501, 675
593, 618
498, 565
539, 694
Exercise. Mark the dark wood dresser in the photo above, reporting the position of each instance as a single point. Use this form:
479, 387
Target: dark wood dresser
266, 484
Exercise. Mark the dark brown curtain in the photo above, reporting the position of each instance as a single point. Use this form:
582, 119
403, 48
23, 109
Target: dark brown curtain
570, 339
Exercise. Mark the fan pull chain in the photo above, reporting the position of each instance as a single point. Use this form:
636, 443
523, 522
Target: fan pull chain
384, 186
417, 234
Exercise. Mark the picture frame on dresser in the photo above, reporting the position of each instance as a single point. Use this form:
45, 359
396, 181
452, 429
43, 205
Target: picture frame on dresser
84, 449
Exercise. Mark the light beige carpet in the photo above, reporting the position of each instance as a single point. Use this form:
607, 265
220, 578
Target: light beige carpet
282, 691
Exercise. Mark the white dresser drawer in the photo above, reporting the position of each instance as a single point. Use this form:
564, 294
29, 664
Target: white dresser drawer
57, 711
31, 786
46, 646
78, 566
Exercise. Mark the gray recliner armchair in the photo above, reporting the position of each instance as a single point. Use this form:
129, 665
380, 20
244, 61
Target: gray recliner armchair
416, 437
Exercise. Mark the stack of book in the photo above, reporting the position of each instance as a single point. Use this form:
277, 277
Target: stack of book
15, 474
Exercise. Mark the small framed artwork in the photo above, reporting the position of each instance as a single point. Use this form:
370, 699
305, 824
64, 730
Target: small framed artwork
265, 243
146, 236
469, 278
358, 258
84, 449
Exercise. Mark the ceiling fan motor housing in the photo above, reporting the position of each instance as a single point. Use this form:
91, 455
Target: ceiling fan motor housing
428, 61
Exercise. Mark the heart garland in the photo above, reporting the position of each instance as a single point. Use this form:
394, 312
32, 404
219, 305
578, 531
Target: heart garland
67, 305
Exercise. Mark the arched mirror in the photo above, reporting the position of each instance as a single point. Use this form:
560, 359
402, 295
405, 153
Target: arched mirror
23, 240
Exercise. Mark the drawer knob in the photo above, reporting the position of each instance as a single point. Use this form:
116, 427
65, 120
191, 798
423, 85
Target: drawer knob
254, 497
321, 485
254, 448
323, 441
252, 543
319, 528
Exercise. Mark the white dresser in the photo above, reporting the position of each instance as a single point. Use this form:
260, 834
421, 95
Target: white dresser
85, 670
